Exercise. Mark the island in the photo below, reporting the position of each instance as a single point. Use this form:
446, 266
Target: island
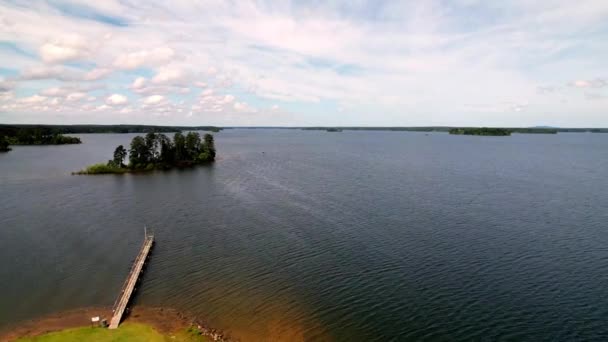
334, 130
156, 151
481, 131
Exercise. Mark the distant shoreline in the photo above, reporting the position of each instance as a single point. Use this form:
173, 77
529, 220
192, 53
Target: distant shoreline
10, 129
163, 320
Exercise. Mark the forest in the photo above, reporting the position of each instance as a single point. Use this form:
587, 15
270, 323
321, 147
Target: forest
33, 136
481, 131
12, 130
4, 144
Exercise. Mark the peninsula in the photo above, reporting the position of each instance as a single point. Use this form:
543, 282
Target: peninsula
10, 135
156, 151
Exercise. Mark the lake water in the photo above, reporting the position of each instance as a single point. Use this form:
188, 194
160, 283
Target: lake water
308, 235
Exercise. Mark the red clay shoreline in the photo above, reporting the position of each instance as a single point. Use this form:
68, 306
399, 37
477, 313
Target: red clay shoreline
165, 320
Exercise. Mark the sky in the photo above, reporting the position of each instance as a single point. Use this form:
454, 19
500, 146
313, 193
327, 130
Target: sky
511, 63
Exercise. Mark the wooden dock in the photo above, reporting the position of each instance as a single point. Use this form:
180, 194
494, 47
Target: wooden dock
129, 286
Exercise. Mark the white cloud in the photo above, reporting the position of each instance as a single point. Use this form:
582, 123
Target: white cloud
133, 60
243, 107
227, 99
596, 83
116, 99
581, 84
169, 75
139, 83
96, 74
61, 73
153, 99
126, 110
75, 96
54, 91
70, 88
240, 106
33, 99
207, 92
54, 53
45, 72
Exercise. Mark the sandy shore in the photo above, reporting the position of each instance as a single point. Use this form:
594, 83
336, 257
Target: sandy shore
164, 320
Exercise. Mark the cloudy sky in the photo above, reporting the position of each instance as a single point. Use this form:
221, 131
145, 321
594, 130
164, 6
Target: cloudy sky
356, 62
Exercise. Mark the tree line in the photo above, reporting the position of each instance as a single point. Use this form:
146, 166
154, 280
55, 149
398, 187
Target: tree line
481, 131
12, 130
34, 136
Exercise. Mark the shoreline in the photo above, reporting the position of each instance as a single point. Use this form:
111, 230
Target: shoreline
164, 320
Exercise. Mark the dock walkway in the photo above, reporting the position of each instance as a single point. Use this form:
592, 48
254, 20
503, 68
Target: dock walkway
129, 286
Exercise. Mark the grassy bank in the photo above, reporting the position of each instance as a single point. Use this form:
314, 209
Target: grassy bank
127, 332
100, 169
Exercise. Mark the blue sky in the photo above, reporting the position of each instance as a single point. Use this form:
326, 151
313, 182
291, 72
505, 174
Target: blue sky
298, 63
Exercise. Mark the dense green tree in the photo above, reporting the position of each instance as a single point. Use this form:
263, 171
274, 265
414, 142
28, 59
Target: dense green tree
139, 155
167, 150
179, 143
25, 137
207, 152
210, 144
4, 144
152, 145
120, 153
193, 145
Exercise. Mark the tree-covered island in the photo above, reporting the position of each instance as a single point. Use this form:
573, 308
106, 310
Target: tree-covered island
156, 151
481, 131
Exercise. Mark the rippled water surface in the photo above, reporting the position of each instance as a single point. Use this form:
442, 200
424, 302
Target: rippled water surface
303, 235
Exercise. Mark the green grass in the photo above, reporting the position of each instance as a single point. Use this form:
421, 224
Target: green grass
98, 169
131, 332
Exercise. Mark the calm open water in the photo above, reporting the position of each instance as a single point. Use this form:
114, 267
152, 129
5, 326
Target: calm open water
308, 235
